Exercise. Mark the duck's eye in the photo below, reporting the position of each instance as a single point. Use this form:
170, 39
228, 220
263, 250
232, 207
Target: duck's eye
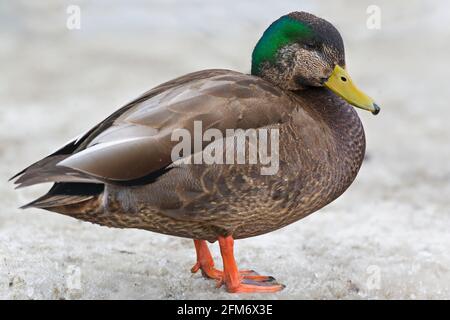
344, 79
309, 46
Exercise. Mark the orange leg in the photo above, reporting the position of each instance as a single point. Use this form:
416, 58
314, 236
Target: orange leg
205, 263
233, 280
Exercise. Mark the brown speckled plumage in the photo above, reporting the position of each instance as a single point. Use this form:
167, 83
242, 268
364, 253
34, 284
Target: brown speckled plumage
321, 149
121, 174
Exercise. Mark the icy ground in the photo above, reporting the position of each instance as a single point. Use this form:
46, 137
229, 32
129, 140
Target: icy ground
386, 237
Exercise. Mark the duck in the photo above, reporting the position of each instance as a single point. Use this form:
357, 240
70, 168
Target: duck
122, 174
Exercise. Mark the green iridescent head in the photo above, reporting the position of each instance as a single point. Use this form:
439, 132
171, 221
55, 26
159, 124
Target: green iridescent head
300, 50
297, 50
282, 32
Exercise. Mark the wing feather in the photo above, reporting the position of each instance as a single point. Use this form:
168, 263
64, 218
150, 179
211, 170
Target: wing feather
135, 141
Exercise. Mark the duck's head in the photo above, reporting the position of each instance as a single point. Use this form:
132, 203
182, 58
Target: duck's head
300, 50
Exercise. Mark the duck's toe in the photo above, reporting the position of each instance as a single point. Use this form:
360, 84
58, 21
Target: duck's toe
255, 277
251, 281
209, 272
253, 286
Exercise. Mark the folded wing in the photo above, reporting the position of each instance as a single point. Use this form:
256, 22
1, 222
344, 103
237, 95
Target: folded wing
135, 141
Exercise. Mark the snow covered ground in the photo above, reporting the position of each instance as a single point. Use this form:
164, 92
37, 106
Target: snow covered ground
386, 237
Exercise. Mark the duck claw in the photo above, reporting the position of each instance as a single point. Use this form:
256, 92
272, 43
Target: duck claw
196, 267
219, 283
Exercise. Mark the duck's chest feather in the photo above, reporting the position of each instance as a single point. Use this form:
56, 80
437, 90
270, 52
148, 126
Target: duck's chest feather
321, 149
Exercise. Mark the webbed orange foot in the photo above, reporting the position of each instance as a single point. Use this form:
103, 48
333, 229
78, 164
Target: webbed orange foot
255, 287
205, 263
234, 281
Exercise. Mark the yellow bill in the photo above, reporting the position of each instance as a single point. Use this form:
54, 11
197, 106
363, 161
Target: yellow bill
340, 83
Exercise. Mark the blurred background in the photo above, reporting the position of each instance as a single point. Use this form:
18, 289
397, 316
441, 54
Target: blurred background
386, 237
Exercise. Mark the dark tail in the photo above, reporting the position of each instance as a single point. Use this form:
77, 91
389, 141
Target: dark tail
65, 194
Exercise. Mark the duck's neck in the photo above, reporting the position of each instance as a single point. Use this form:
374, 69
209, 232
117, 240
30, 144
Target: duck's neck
339, 116
341, 123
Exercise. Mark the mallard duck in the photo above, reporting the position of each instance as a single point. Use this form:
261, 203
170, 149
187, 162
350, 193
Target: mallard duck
121, 173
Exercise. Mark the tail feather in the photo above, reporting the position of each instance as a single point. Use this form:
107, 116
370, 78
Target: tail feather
64, 194
54, 158
43, 163
47, 170
48, 201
